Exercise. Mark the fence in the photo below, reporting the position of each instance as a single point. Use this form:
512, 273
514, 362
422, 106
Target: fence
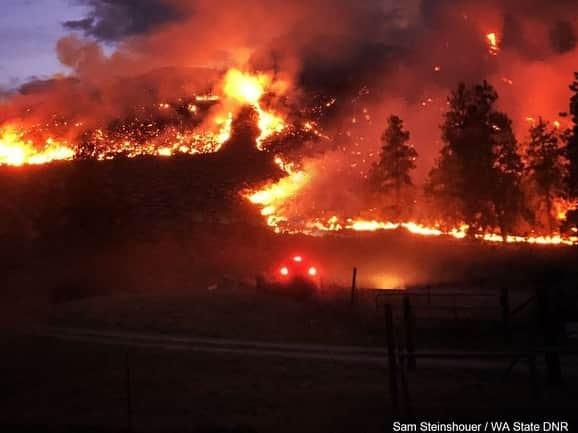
546, 321
404, 357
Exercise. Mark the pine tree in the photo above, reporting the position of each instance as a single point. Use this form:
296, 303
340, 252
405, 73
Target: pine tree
391, 175
573, 141
477, 177
546, 167
507, 195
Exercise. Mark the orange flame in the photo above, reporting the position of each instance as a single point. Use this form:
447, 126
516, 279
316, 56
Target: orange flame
238, 88
16, 150
273, 197
249, 89
493, 43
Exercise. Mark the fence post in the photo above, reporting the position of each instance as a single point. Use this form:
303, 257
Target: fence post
505, 307
409, 331
535, 388
353, 287
549, 329
391, 358
128, 393
404, 385
259, 282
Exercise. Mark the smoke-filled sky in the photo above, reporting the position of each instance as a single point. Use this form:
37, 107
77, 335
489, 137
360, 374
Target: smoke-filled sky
187, 32
314, 37
412, 51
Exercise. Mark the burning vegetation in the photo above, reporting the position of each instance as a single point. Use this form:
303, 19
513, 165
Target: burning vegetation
349, 162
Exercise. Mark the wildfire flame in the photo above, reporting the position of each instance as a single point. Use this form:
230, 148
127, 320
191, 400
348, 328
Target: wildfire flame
273, 196
563, 206
17, 150
241, 88
493, 43
238, 89
249, 89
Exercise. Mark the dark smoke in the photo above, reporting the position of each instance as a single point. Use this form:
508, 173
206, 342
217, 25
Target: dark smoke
113, 20
410, 54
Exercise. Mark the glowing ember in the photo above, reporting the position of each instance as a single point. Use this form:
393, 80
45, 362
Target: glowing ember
562, 207
206, 98
493, 47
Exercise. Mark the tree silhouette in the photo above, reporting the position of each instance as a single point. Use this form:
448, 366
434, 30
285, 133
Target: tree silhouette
477, 176
573, 140
508, 169
546, 166
391, 175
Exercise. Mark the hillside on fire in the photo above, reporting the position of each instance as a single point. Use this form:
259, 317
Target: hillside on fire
487, 182
88, 198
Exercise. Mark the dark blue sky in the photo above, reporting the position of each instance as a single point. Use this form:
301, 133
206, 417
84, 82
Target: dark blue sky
29, 30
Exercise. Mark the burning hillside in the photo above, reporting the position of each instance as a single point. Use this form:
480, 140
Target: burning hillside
329, 114
188, 126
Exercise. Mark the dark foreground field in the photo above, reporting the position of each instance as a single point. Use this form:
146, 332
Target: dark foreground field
75, 387
262, 363
141, 305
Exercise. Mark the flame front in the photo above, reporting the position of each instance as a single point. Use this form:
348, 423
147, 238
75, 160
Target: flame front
273, 197
17, 150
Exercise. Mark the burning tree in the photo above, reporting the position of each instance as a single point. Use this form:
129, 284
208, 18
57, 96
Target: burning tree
391, 176
546, 167
477, 177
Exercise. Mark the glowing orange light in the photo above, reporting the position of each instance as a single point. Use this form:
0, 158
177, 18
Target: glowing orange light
298, 259
248, 89
245, 87
493, 47
312, 271
284, 271
16, 150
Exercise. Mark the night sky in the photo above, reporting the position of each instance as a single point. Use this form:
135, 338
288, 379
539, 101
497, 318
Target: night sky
29, 30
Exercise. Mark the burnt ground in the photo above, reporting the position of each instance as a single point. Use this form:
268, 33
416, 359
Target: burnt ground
135, 245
